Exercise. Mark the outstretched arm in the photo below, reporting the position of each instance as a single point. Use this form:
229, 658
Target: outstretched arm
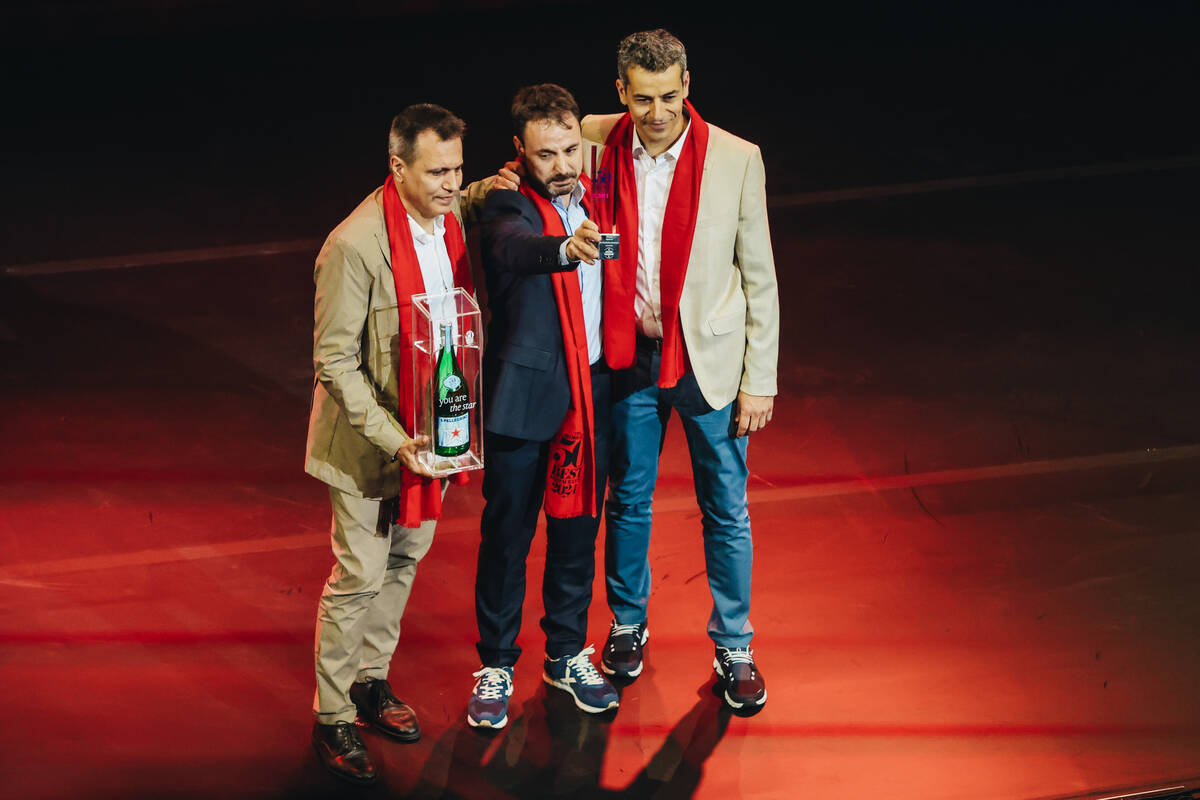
513, 242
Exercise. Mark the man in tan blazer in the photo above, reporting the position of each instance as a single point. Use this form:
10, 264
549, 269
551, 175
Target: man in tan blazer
355, 443
702, 338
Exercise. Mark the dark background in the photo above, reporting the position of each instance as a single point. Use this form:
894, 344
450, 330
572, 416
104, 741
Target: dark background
134, 126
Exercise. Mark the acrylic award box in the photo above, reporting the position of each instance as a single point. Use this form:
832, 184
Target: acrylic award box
447, 381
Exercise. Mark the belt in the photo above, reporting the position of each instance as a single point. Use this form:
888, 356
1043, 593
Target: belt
648, 344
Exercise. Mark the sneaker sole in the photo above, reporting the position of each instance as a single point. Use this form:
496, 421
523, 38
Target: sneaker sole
729, 700
616, 673
734, 704
483, 723
566, 687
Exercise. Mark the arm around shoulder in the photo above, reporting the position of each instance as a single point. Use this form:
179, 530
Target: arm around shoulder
596, 127
473, 198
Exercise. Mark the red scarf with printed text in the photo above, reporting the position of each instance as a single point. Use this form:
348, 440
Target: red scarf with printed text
679, 226
420, 498
571, 473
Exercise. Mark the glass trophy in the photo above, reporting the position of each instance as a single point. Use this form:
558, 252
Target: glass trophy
448, 380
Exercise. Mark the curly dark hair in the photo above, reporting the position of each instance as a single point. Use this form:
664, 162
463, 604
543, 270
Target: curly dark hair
543, 101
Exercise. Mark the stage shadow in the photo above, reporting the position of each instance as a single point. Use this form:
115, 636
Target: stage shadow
555, 753
675, 769
560, 752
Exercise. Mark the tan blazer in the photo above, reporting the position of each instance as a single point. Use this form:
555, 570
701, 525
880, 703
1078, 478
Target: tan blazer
729, 307
352, 427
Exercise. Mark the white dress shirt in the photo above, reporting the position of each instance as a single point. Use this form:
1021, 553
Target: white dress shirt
571, 212
653, 176
436, 269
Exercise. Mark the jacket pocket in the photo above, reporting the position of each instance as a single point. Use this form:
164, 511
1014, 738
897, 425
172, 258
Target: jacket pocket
727, 323
526, 356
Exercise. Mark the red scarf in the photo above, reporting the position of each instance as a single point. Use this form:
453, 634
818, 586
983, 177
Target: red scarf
571, 474
679, 224
420, 498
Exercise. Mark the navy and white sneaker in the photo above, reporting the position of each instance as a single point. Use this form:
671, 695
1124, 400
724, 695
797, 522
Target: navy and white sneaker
577, 675
622, 656
738, 679
488, 706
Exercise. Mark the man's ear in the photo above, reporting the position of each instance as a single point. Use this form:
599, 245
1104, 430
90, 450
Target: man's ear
687, 80
517, 146
397, 168
621, 91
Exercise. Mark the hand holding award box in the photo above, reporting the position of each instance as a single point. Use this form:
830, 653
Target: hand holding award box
447, 381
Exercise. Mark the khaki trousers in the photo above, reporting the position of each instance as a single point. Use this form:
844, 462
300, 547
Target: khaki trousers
358, 617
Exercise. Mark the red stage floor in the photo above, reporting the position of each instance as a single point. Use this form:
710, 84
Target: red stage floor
975, 531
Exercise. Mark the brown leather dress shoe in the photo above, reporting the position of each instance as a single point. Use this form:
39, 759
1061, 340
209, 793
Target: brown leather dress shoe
341, 750
378, 706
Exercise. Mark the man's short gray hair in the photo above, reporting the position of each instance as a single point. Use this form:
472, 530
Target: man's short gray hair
654, 51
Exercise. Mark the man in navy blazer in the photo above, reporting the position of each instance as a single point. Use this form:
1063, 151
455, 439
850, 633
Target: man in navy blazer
527, 397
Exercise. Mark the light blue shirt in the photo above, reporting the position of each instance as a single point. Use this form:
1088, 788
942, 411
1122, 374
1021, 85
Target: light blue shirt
591, 278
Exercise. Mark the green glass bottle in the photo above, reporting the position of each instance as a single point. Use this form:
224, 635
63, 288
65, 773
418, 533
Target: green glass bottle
452, 406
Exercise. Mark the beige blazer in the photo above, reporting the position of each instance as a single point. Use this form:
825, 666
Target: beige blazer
352, 427
729, 308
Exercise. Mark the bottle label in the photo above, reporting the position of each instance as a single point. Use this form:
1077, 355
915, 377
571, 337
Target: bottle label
452, 431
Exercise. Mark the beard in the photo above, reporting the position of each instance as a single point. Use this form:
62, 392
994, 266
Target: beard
561, 183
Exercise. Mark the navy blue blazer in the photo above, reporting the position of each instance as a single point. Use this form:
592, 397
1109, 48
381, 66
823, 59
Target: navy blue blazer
526, 394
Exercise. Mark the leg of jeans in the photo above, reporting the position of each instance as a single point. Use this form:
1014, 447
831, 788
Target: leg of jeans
360, 547
719, 473
381, 631
571, 549
639, 424
513, 484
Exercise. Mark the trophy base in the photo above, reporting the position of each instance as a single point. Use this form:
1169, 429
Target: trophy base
441, 466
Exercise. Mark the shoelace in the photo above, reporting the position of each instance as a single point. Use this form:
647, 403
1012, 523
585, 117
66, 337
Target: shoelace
738, 656
583, 668
626, 630
349, 740
492, 683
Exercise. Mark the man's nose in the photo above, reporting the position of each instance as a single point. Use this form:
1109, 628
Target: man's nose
660, 109
561, 164
453, 181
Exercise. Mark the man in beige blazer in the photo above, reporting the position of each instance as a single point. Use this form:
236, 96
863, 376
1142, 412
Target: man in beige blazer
728, 319
357, 446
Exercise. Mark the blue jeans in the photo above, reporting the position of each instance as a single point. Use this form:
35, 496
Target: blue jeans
719, 474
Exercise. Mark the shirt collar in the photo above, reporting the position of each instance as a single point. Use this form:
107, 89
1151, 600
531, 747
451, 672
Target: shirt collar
419, 234
673, 151
575, 198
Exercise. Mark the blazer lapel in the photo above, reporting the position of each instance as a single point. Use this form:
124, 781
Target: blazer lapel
381, 237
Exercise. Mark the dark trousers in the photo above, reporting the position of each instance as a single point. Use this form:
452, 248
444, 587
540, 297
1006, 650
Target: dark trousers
514, 481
